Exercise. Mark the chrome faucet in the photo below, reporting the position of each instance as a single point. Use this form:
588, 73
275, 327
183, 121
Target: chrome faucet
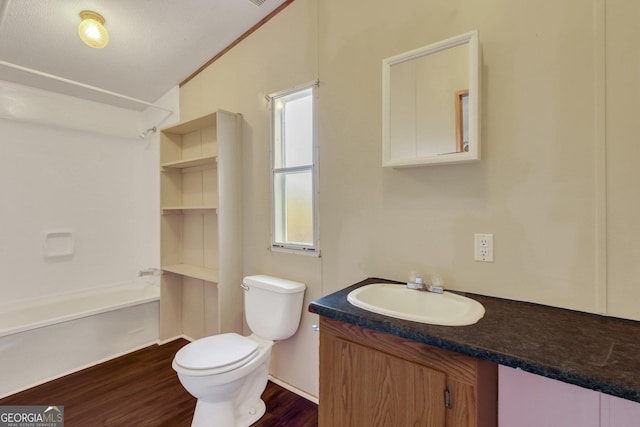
436, 285
149, 272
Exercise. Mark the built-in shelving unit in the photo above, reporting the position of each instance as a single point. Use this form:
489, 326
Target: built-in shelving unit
201, 229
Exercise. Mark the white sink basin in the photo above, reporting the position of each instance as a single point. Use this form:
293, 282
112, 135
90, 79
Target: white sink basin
398, 301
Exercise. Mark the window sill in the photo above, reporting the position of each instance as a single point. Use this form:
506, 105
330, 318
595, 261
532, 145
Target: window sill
297, 251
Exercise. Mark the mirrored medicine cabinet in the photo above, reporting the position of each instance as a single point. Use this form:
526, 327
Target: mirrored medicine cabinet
430, 104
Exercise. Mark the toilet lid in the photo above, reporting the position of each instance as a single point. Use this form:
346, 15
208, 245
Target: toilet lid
220, 352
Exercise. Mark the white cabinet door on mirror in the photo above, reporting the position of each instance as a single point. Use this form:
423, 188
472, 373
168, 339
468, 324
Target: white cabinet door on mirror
430, 104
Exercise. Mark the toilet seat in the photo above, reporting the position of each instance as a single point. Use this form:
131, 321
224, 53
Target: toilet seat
218, 353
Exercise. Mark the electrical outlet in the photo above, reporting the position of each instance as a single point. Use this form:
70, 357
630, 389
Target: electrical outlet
483, 247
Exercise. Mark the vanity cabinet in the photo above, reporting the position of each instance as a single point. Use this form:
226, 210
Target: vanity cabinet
201, 227
369, 378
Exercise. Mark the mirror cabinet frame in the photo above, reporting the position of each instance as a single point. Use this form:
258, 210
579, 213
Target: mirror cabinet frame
471, 39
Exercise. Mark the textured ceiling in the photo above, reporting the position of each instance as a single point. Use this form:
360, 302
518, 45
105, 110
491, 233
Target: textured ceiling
153, 44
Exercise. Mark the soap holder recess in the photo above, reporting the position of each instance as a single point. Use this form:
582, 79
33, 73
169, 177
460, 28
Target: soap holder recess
58, 243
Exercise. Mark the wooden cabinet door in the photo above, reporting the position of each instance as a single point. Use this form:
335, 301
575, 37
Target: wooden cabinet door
368, 388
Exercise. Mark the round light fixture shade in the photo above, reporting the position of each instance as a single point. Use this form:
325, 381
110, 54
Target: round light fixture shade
91, 30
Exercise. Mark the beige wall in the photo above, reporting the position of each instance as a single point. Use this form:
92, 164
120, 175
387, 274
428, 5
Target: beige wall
281, 55
540, 188
622, 157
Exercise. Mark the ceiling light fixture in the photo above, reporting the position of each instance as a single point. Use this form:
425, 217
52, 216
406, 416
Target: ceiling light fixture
91, 30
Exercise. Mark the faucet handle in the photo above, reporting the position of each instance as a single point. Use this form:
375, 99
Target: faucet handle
437, 284
417, 283
437, 280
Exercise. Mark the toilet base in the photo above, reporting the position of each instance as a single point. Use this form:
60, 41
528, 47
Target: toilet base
221, 414
253, 415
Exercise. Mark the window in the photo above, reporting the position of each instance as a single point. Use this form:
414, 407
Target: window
294, 170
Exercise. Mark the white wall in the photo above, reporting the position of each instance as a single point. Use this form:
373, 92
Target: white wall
528, 400
55, 177
555, 185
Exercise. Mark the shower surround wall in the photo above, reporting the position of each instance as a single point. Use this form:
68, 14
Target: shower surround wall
101, 188
78, 220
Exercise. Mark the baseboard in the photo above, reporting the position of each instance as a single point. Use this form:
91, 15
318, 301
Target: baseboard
293, 389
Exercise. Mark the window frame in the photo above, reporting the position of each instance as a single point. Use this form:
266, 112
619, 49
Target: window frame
314, 248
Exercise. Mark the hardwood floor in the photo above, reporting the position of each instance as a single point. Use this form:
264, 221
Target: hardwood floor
141, 389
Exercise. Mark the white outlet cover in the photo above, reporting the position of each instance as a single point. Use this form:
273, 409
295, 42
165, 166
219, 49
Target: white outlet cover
483, 247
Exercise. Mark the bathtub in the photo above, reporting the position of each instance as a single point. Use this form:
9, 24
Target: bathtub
41, 340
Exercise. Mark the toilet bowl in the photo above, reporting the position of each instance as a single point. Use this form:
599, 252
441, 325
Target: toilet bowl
228, 390
227, 373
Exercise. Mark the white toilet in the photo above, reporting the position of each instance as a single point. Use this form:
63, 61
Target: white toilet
227, 373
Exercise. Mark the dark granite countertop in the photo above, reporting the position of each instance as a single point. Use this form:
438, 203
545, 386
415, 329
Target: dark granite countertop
592, 351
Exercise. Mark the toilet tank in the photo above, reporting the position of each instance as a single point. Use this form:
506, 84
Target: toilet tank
272, 306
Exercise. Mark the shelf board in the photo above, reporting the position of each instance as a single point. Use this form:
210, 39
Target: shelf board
189, 163
185, 209
196, 272
192, 125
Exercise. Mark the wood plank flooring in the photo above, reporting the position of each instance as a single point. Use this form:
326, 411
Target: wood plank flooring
141, 389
